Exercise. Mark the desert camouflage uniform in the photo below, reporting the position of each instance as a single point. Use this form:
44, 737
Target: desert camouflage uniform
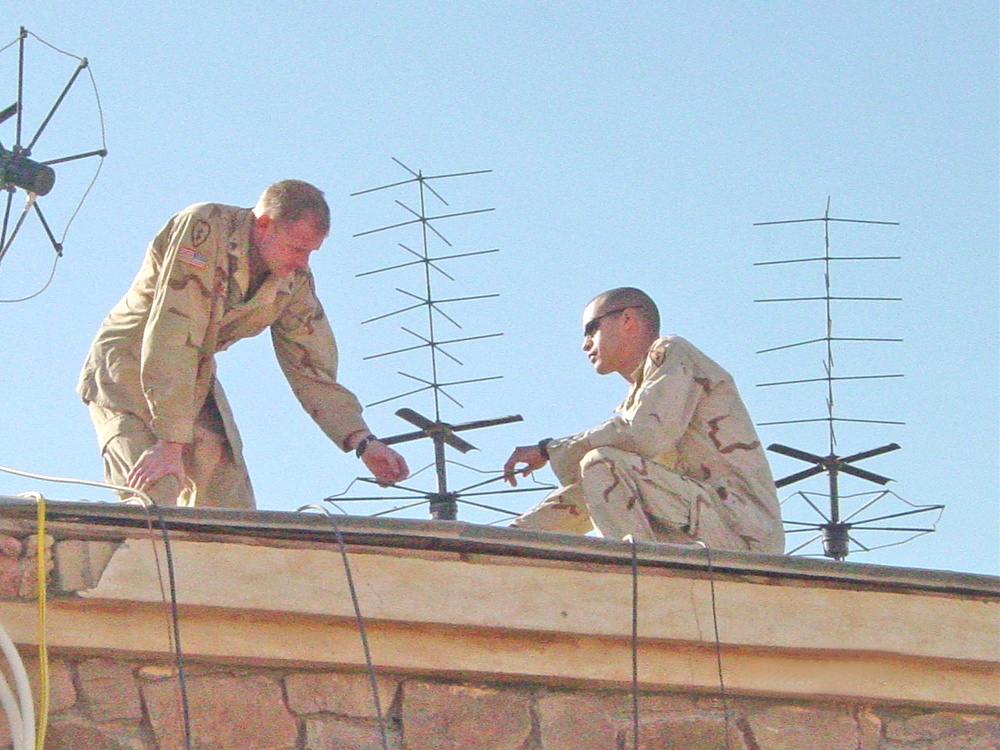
150, 373
681, 461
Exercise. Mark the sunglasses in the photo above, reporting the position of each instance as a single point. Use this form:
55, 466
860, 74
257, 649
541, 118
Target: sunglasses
594, 324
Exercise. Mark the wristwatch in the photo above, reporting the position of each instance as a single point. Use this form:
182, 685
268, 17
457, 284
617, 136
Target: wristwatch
359, 449
543, 447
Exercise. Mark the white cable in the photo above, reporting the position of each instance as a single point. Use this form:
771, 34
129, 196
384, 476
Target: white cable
85, 482
22, 720
13, 713
23, 689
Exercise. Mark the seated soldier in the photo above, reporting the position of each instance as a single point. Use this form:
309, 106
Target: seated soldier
680, 462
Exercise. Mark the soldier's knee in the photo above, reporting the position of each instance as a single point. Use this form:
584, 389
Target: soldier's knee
167, 491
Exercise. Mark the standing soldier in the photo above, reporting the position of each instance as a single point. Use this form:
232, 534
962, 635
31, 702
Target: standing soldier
213, 275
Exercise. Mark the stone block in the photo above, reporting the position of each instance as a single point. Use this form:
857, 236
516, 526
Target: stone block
869, 729
689, 732
333, 734
804, 728
581, 721
62, 691
458, 717
10, 567
77, 734
945, 730
345, 694
62, 694
19, 567
109, 690
79, 563
244, 712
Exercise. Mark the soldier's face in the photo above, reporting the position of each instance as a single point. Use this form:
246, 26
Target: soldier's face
603, 339
284, 247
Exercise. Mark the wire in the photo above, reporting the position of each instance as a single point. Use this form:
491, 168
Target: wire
21, 721
13, 713
372, 679
635, 643
23, 688
147, 503
718, 643
175, 622
52, 274
43, 648
139, 494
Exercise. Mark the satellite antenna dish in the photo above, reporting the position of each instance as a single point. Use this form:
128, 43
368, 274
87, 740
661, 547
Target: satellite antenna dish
443, 501
38, 138
840, 531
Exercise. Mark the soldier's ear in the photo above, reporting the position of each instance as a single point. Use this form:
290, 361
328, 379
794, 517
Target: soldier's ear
630, 319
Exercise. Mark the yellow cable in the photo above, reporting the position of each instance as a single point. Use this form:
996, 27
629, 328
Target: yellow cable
43, 652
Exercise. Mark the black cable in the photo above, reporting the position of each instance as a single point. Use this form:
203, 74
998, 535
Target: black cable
175, 620
372, 679
635, 645
718, 645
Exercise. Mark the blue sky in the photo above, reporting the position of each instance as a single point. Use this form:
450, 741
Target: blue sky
630, 144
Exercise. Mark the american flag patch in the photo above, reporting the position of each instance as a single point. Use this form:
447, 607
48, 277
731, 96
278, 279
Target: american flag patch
191, 257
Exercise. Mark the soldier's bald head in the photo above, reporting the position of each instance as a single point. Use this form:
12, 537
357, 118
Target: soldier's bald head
628, 297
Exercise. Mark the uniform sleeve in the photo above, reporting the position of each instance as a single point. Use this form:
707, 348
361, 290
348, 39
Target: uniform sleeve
179, 318
656, 415
307, 352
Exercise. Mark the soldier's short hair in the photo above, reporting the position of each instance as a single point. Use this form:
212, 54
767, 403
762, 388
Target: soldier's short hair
629, 296
291, 200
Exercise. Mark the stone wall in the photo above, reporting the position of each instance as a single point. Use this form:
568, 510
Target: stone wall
109, 704
485, 639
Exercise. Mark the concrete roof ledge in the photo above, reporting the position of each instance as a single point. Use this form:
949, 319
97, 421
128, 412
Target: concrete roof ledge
497, 603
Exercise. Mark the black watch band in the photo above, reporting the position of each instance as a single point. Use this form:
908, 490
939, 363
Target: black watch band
359, 449
543, 447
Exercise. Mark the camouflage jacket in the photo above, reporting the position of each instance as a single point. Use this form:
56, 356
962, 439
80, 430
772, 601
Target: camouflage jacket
683, 411
154, 355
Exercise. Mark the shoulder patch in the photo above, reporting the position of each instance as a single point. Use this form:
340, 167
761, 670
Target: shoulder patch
191, 257
200, 232
657, 355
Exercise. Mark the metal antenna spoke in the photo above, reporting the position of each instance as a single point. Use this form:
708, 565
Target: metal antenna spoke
59, 101
102, 152
792, 478
45, 225
17, 228
6, 218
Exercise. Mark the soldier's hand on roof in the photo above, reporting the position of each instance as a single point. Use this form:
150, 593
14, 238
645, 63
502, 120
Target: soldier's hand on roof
164, 459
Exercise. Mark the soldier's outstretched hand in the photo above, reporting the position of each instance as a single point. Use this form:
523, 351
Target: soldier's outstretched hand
530, 456
385, 464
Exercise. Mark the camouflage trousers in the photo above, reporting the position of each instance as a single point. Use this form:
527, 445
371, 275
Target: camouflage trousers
215, 476
618, 494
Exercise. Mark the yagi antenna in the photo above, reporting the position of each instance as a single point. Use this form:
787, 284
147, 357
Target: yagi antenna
838, 530
437, 313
